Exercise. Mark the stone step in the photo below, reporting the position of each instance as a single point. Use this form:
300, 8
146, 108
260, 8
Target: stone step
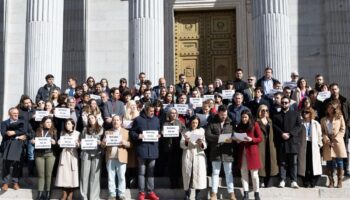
174, 194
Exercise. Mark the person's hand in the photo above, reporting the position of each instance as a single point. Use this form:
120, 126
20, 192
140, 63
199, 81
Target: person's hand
77, 142
58, 142
123, 143
32, 141
98, 142
199, 142
285, 136
53, 141
229, 140
187, 139
141, 136
22, 137
248, 139
159, 135
10, 133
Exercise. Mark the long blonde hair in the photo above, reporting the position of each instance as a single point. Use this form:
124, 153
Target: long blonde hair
129, 113
262, 106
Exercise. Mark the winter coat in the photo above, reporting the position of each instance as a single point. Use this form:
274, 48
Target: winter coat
145, 150
316, 140
44, 92
219, 151
194, 161
338, 150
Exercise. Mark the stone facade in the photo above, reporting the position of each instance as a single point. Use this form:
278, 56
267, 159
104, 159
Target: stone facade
96, 41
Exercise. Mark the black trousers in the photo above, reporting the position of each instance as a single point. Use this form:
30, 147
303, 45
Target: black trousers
16, 170
310, 178
291, 161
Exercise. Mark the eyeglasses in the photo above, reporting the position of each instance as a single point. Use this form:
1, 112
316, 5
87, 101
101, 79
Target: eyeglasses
284, 102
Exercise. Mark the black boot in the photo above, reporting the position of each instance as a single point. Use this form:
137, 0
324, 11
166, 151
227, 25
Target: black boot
187, 194
40, 195
245, 196
47, 195
256, 196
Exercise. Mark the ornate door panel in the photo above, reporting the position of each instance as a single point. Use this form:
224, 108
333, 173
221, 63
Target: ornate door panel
205, 45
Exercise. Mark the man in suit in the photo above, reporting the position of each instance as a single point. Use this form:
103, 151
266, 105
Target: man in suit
161, 83
249, 92
113, 107
258, 100
287, 127
14, 137
181, 85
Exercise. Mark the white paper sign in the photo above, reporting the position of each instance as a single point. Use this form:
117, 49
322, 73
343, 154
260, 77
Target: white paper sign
291, 85
63, 113
171, 131
165, 106
88, 144
198, 102
43, 143
206, 97
127, 123
150, 136
240, 136
228, 94
224, 137
39, 115
195, 137
96, 97
67, 142
203, 118
323, 95
181, 108
113, 140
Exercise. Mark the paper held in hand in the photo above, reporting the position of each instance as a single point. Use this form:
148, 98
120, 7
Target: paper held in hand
171, 131
208, 96
224, 137
195, 137
63, 113
150, 136
113, 140
67, 142
88, 144
321, 96
198, 102
127, 123
43, 143
39, 115
228, 94
96, 97
181, 108
240, 136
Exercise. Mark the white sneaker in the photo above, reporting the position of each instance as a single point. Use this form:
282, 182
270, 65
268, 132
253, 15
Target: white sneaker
294, 185
282, 184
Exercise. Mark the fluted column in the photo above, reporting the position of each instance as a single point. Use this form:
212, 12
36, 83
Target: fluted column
338, 43
272, 37
146, 40
44, 43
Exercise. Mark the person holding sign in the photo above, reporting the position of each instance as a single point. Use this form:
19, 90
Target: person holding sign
92, 108
194, 168
67, 173
90, 157
45, 137
219, 137
248, 156
171, 147
116, 141
147, 152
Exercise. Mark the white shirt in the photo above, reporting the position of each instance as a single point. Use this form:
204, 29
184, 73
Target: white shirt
307, 126
329, 125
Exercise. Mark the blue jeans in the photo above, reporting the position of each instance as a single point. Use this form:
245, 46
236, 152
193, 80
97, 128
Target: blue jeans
215, 176
114, 167
30, 150
335, 163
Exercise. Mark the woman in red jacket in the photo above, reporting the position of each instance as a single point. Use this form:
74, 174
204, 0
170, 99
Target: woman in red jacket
249, 159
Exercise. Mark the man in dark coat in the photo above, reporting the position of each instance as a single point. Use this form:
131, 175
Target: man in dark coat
345, 108
239, 84
267, 81
14, 136
287, 127
147, 152
45, 91
220, 152
181, 85
258, 100
235, 110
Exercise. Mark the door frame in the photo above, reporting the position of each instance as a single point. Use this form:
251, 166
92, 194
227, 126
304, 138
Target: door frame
171, 6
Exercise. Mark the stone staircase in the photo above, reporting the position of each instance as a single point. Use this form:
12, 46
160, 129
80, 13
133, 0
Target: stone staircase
28, 191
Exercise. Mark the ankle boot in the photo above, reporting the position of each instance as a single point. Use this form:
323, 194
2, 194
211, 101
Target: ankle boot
329, 173
47, 195
246, 196
40, 195
213, 196
187, 194
340, 174
64, 194
256, 196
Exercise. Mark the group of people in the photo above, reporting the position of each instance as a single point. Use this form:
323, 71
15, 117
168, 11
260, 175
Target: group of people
185, 132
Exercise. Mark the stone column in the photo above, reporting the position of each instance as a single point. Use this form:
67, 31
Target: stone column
44, 43
146, 39
337, 18
271, 37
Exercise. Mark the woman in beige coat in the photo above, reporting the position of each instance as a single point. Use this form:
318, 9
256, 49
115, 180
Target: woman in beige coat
309, 158
67, 172
193, 158
267, 149
333, 130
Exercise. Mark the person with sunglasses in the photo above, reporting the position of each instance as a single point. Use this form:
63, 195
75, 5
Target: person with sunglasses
310, 163
267, 148
287, 127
